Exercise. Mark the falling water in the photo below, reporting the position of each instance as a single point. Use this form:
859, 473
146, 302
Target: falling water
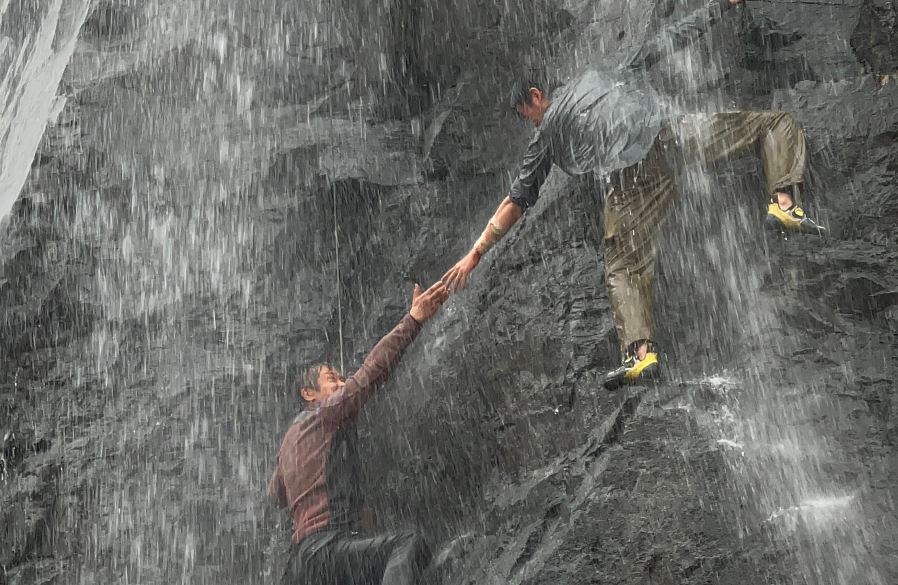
36, 43
195, 255
773, 419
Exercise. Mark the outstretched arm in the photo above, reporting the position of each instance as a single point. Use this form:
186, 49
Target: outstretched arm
505, 217
344, 404
681, 34
524, 192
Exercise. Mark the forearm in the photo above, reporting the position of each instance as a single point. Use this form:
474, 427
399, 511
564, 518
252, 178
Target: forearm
505, 217
345, 404
386, 354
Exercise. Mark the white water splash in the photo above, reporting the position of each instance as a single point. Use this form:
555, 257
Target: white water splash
820, 508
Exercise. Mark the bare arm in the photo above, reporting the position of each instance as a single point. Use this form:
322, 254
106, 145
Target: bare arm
507, 214
524, 193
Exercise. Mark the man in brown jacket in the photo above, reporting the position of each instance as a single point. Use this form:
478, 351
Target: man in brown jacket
318, 472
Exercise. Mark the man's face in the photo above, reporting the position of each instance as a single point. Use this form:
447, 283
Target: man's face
329, 381
535, 111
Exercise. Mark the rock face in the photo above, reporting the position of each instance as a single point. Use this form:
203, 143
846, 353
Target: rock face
233, 190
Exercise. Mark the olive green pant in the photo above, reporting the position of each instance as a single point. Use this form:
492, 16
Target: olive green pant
639, 199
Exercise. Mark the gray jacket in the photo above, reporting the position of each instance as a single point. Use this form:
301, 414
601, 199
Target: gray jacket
606, 121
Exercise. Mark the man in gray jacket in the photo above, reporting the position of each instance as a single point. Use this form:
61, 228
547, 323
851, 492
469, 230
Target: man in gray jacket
613, 124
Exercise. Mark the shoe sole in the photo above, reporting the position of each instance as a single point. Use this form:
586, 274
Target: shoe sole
650, 374
775, 224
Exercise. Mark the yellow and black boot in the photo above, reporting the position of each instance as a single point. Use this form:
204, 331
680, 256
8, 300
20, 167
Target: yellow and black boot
634, 370
792, 220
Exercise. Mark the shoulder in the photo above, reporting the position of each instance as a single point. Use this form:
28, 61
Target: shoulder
305, 415
588, 78
301, 424
306, 426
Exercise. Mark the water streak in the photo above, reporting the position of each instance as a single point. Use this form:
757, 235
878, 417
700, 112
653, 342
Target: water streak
34, 65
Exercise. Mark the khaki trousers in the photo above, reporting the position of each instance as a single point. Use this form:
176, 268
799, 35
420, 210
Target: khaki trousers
640, 197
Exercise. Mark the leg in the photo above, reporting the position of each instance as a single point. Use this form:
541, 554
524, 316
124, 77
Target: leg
311, 563
397, 558
408, 560
635, 209
392, 559
780, 140
707, 138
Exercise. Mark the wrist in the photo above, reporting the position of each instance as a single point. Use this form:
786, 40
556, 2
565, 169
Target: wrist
490, 237
476, 254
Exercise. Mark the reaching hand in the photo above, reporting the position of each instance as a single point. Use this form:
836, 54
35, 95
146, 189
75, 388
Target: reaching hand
458, 274
426, 304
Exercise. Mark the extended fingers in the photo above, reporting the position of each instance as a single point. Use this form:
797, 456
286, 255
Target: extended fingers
452, 280
449, 276
440, 296
436, 288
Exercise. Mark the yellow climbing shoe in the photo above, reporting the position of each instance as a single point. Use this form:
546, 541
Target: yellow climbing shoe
792, 220
634, 371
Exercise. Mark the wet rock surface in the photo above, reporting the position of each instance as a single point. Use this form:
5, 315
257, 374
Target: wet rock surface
172, 263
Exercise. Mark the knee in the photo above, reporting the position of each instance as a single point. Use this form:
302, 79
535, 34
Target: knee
781, 118
422, 551
417, 547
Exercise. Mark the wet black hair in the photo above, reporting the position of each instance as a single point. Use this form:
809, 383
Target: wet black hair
534, 77
309, 378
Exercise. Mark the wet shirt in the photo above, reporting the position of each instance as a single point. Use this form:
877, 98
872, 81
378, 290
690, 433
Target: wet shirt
318, 469
605, 121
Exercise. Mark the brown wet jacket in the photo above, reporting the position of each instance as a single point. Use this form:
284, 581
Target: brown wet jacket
318, 474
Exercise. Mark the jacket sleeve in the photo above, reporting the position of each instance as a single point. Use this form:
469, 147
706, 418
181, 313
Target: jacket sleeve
679, 35
344, 405
536, 167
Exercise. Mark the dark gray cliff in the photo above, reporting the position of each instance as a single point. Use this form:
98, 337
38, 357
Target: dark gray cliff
171, 263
